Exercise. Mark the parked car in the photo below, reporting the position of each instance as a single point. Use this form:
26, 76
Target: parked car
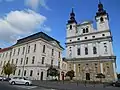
1, 78
6, 79
20, 80
116, 83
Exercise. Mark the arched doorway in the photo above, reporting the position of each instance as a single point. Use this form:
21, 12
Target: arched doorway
87, 76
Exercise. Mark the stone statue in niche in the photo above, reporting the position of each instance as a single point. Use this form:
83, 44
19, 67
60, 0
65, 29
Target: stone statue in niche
105, 49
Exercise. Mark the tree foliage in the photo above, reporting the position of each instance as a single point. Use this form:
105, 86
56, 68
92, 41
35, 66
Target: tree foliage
70, 74
9, 69
100, 76
52, 72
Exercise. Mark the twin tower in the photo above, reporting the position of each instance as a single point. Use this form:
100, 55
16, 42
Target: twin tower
90, 51
102, 20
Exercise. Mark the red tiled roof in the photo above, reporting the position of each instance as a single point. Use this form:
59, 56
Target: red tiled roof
5, 49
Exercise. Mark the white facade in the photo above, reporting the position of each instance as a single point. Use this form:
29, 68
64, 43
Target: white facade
85, 44
32, 61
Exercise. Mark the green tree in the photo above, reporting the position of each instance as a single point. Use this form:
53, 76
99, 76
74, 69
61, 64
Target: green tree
9, 69
52, 72
100, 76
70, 74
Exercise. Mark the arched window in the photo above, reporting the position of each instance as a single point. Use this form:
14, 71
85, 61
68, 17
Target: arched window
87, 30
70, 26
70, 52
101, 19
84, 30
86, 51
94, 50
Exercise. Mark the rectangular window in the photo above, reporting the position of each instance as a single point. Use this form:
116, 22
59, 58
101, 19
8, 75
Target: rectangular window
18, 51
31, 72
27, 60
86, 51
33, 59
59, 64
51, 62
23, 50
43, 48
43, 60
14, 52
59, 54
94, 50
78, 51
25, 73
29, 49
21, 60
16, 61
19, 72
52, 52
34, 47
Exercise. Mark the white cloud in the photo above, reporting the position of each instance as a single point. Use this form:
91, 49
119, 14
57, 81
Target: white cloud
17, 24
34, 4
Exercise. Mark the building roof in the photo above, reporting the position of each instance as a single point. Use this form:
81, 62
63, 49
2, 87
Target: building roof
5, 49
36, 36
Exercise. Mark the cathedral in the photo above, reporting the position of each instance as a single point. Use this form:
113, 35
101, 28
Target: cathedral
89, 51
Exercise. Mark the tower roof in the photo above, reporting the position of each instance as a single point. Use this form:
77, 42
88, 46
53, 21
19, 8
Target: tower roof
101, 10
72, 17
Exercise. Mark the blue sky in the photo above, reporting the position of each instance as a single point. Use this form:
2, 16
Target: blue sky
50, 16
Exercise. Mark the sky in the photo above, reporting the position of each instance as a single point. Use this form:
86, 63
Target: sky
21, 18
